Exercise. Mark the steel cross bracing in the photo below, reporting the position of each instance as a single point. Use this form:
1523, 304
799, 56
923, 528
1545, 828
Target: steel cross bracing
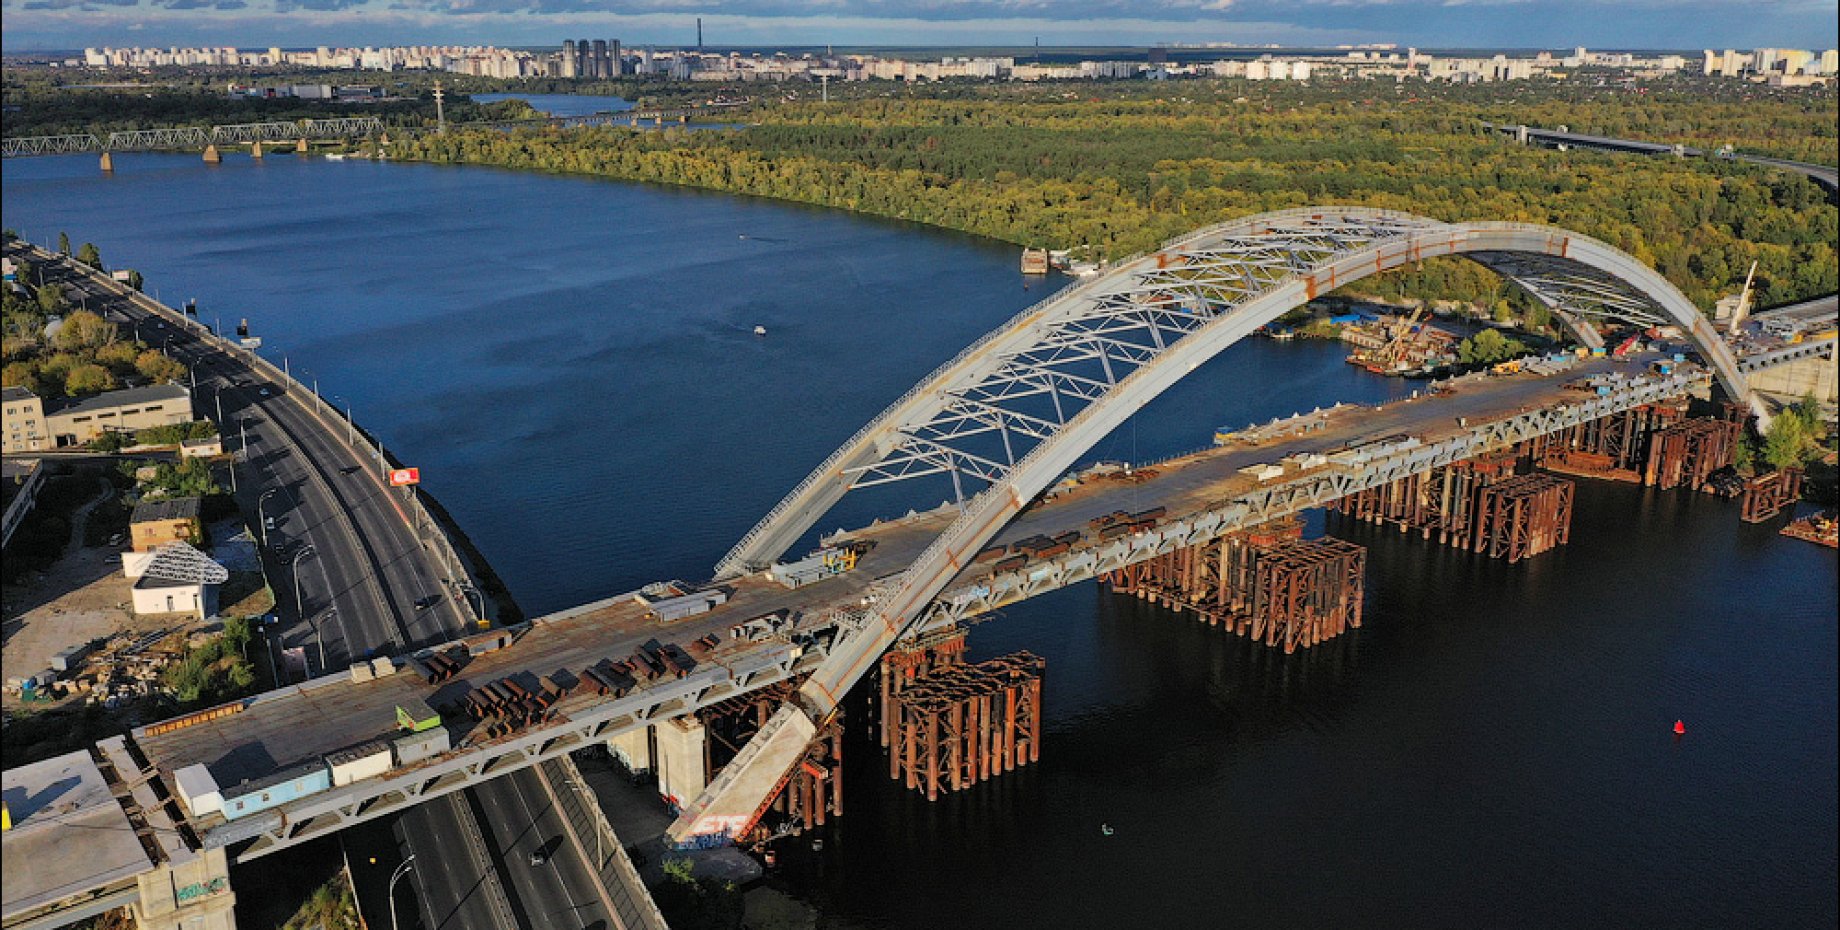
1073, 357
190, 137
197, 137
50, 145
368, 799
1020, 385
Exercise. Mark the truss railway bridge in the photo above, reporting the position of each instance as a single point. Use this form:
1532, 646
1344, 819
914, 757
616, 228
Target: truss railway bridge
1001, 424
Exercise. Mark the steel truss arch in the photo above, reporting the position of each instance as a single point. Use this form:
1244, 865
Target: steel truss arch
1024, 385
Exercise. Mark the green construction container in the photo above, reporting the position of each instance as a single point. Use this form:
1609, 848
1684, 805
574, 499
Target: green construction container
417, 716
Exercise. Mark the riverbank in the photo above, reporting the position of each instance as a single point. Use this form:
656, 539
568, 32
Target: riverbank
1122, 176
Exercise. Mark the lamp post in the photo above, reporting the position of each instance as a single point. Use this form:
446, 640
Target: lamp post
600, 849
320, 641
305, 550
262, 518
401, 870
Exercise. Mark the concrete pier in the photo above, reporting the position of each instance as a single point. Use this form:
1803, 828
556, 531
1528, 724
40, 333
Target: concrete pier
255, 150
108, 162
211, 157
633, 749
682, 759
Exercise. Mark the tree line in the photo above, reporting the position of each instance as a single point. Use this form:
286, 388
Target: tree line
1121, 175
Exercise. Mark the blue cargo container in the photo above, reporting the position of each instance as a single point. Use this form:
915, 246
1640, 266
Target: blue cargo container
283, 787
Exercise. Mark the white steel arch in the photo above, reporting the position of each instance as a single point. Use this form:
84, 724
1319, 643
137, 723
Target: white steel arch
977, 415
1090, 357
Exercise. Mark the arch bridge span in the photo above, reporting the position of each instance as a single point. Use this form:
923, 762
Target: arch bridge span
1018, 407
1026, 383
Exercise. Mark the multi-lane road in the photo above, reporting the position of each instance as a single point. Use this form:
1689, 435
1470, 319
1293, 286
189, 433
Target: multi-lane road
365, 581
366, 585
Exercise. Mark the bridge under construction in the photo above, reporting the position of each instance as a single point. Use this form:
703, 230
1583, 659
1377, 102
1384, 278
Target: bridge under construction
1001, 425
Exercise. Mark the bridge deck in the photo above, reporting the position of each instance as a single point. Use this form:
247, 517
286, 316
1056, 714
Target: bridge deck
304, 722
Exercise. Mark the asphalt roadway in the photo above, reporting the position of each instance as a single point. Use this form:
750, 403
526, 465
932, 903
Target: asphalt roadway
363, 579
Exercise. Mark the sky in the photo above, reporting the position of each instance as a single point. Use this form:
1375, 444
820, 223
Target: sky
1619, 24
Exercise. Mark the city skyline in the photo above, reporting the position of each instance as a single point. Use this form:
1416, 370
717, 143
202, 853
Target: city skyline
1518, 24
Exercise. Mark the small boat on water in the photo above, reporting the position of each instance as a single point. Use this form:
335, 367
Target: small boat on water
760, 330
335, 156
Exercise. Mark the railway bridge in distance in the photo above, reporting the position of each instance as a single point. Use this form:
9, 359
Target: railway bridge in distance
995, 428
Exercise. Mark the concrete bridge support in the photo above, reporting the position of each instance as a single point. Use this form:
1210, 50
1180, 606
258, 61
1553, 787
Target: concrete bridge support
108, 163
682, 759
634, 750
255, 150
300, 147
190, 895
211, 157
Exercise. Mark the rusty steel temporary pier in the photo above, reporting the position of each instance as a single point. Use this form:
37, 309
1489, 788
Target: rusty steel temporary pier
1766, 495
961, 724
1265, 583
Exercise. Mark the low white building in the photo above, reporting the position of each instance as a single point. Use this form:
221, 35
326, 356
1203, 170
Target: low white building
175, 578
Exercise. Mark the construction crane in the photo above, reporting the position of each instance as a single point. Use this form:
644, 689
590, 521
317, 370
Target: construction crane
1388, 356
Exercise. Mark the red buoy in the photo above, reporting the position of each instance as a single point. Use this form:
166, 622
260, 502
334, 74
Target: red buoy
1680, 728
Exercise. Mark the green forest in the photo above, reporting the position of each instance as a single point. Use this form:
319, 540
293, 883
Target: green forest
1120, 175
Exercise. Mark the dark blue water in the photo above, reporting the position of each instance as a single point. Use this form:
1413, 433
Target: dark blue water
571, 362
563, 104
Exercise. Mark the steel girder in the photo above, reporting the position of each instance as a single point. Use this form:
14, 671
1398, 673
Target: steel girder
1761, 360
331, 811
1270, 502
1020, 386
196, 137
189, 137
51, 145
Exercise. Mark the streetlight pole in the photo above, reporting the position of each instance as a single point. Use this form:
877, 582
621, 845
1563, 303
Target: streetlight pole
319, 640
294, 566
401, 870
600, 849
260, 518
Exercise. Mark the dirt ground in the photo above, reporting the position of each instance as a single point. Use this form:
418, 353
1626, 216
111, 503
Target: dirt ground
82, 596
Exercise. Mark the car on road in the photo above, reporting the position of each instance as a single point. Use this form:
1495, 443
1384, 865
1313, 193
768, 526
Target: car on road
263, 390
539, 857
423, 603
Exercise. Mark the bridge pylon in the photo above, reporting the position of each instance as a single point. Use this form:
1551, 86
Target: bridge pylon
255, 149
300, 146
211, 157
108, 163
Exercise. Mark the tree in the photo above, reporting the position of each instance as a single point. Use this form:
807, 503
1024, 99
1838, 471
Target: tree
157, 367
85, 330
135, 280
88, 378
1488, 347
64, 243
51, 299
90, 255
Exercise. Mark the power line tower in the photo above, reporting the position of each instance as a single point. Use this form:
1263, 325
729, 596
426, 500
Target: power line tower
440, 112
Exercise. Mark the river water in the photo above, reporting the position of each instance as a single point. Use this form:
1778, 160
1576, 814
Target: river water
571, 362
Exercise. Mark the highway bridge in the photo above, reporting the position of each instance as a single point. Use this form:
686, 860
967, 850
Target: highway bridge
999, 424
1823, 175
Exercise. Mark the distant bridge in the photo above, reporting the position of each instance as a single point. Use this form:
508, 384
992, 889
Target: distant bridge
1560, 138
184, 138
187, 138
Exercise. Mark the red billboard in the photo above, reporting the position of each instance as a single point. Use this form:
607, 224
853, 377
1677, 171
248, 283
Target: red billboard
403, 476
